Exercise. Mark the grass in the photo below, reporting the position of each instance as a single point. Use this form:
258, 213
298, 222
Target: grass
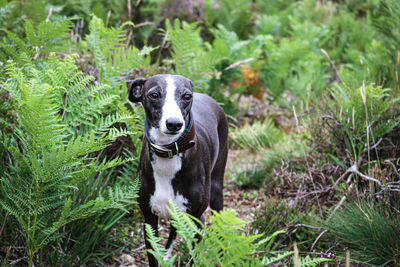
370, 230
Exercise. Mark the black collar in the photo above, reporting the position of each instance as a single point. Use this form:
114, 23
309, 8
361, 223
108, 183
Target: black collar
185, 141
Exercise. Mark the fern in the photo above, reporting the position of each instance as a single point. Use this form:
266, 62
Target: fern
222, 244
47, 36
56, 153
112, 56
158, 251
275, 257
312, 262
256, 136
228, 44
189, 55
361, 114
230, 246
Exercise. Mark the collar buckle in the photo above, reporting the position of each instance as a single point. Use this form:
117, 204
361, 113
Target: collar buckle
158, 148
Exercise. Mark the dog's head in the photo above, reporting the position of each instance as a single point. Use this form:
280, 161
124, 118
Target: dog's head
167, 100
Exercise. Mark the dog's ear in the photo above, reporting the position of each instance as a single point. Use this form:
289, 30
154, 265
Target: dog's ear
135, 93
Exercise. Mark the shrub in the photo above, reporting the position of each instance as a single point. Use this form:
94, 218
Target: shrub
263, 170
278, 214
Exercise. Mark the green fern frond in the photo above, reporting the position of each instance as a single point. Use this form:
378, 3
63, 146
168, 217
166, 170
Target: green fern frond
50, 36
114, 133
158, 251
46, 37
19, 43
189, 54
224, 243
111, 55
312, 262
124, 196
64, 74
258, 135
38, 105
231, 246
185, 225
266, 242
275, 257
106, 164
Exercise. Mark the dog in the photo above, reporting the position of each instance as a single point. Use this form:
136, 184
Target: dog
184, 150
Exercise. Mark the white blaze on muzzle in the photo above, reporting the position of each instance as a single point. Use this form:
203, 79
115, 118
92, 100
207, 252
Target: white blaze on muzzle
170, 108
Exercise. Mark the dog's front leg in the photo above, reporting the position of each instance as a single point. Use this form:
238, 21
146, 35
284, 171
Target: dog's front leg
170, 241
152, 220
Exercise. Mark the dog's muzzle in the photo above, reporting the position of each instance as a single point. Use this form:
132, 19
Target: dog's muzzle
185, 141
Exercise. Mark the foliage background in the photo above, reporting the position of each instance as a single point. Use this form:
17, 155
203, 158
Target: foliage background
310, 88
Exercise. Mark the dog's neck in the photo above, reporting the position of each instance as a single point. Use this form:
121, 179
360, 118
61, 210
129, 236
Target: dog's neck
182, 143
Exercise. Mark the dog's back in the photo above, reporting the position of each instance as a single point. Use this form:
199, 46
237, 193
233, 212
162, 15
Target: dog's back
210, 121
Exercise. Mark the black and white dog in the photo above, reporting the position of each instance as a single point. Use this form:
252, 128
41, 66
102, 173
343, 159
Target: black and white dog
184, 150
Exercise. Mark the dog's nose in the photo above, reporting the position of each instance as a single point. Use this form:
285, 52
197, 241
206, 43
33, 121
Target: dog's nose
174, 124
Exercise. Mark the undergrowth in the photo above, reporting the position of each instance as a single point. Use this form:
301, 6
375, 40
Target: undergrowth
230, 246
51, 157
311, 90
369, 229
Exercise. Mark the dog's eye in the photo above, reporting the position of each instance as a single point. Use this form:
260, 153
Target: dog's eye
153, 96
187, 97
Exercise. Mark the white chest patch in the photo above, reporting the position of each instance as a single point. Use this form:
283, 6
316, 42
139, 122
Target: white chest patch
164, 170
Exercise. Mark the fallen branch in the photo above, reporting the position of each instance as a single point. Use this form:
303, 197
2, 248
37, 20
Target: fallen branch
317, 239
354, 170
391, 186
238, 63
306, 225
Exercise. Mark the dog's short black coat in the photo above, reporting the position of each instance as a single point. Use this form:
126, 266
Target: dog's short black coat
199, 180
